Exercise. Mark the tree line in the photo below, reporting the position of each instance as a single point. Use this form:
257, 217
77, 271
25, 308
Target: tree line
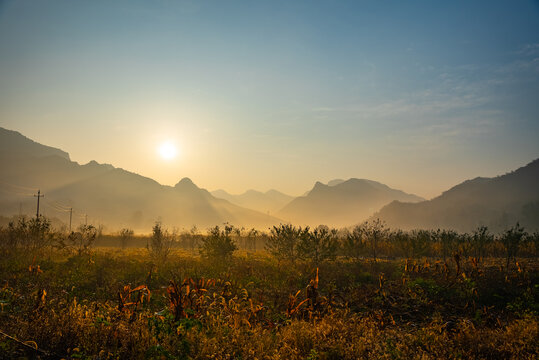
285, 242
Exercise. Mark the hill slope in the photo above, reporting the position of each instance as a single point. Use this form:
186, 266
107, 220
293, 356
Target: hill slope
267, 202
110, 196
495, 202
342, 203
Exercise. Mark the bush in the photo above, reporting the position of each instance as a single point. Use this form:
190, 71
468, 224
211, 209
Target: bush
354, 243
160, 242
283, 241
318, 245
82, 239
481, 239
218, 243
511, 240
375, 231
125, 236
30, 236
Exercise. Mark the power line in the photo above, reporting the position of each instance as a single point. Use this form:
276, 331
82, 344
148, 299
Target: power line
18, 187
53, 204
16, 192
60, 205
58, 208
52, 207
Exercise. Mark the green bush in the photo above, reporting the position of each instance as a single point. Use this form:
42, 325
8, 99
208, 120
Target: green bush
218, 243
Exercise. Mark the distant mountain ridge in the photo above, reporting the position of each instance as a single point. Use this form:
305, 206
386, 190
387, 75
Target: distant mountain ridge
342, 203
15, 144
267, 202
119, 198
110, 196
496, 202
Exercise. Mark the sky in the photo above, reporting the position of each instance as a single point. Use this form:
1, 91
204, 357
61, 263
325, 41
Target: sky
419, 95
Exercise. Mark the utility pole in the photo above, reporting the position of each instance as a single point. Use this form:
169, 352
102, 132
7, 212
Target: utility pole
70, 217
38, 196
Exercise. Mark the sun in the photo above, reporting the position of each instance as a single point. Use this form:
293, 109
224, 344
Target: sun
168, 150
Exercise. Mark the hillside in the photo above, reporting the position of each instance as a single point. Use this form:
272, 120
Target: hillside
495, 202
342, 203
108, 195
267, 202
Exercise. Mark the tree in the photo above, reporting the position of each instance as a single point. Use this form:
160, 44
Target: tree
319, 245
465, 245
125, 236
218, 243
447, 239
480, 239
83, 238
355, 243
160, 242
420, 241
29, 235
401, 239
190, 239
251, 239
283, 241
511, 240
375, 231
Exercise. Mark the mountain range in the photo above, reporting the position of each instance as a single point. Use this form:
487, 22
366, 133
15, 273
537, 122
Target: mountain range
268, 202
342, 203
118, 198
107, 195
497, 202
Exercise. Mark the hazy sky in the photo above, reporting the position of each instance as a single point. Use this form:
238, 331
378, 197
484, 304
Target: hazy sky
419, 95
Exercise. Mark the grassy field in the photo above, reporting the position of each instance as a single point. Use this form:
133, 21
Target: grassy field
110, 303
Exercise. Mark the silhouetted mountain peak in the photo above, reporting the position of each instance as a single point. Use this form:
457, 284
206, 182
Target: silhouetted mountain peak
318, 188
335, 182
14, 143
319, 185
110, 196
495, 202
186, 183
342, 204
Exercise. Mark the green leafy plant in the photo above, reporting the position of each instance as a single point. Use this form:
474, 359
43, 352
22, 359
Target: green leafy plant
218, 243
283, 241
318, 245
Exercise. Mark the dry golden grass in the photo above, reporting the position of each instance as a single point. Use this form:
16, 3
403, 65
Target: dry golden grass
123, 304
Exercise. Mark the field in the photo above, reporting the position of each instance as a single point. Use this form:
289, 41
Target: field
169, 302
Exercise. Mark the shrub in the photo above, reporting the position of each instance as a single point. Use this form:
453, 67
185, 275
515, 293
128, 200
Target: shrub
125, 236
481, 238
283, 241
401, 239
318, 245
82, 239
354, 243
447, 239
30, 236
375, 231
160, 242
218, 243
420, 241
511, 240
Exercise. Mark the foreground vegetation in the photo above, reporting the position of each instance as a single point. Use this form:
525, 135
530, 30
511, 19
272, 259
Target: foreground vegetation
309, 295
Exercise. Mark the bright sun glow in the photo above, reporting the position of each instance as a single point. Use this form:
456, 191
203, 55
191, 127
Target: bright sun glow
168, 150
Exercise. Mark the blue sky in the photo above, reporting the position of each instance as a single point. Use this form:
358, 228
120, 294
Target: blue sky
419, 95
